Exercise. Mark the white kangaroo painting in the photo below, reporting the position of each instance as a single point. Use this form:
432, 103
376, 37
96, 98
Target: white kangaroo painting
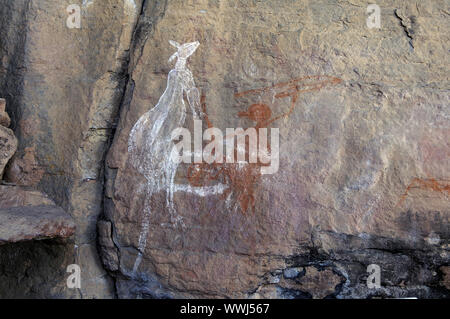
150, 144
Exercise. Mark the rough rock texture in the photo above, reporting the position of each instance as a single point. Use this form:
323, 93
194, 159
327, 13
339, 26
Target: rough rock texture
306, 282
8, 142
8, 146
33, 269
27, 214
34, 223
25, 171
364, 160
31, 265
15, 196
364, 157
4, 117
446, 276
63, 89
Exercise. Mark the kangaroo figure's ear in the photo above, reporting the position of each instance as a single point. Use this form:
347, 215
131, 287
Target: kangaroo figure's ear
174, 43
175, 55
189, 48
192, 47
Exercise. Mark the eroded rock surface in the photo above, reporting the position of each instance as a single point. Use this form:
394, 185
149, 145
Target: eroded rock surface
8, 146
63, 88
27, 214
16, 196
8, 141
34, 223
33, 269
4, 117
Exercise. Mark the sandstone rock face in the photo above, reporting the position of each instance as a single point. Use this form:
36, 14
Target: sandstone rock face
34, 223
35, 245
63, 88
446, 276
25, 171
14, 196
8, 141
309, 282
33, 269
364, 171
8, 146
4, 117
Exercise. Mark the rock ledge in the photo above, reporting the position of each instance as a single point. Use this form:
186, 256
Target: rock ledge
34, 223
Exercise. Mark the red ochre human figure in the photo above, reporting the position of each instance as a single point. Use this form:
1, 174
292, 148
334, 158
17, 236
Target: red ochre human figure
259, 113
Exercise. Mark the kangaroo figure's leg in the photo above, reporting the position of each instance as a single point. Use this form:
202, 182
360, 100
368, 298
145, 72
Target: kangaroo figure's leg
170, 190
142, 243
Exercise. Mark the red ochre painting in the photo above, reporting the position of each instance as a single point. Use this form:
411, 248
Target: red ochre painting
241, 180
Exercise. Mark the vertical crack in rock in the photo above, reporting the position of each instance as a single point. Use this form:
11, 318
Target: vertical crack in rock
107, 95
407, 24
150, 13
64, 96
13, 38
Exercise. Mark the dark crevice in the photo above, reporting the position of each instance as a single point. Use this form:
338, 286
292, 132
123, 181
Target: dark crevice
409, 32
150, 14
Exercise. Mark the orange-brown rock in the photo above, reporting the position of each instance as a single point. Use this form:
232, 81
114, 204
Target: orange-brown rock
25, 223
14, 196
4, 117
25, 170
8, 146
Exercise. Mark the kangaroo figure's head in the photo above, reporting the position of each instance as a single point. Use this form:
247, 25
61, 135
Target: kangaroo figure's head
184, 51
